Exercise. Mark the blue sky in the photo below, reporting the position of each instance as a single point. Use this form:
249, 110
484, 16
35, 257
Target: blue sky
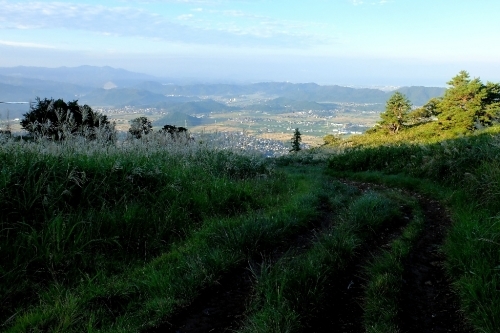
349, 42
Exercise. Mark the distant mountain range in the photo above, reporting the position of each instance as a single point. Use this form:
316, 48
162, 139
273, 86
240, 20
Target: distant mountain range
87, 76
111, 87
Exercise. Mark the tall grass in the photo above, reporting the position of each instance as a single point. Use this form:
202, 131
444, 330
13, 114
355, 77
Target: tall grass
75, 210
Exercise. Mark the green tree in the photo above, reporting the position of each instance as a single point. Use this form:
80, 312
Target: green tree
57, 120
331, 139
140, 126
175, 132
396, 112
296, 140
426, 112
468, 104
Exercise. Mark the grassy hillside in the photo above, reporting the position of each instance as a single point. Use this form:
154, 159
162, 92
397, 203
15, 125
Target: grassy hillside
378, 233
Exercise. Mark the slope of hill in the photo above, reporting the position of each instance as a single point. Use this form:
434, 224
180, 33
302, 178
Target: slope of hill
200, 107
283, 104
420, 95
129, 97
179, 119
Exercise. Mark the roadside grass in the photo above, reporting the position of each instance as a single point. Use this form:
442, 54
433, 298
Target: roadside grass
287, 292
106, 238
463, 173
384, 275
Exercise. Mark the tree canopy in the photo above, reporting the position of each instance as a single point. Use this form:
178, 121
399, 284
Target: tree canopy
468, 103
56, 119
396, 112
140, 126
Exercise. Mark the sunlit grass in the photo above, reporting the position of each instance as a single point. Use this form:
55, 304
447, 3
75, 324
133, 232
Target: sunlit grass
463, 172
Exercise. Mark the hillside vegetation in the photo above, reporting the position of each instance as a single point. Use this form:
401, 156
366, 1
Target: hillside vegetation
451, 152
391, 231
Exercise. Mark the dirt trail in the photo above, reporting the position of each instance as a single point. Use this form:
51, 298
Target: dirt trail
217, 309
221, 308
342, 310
427, 303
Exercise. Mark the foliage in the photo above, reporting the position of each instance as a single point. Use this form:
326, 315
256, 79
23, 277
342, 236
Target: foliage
331, 139
396, 112
117, 238
426, 112
140, 126
296, 140
76, 214
175, 132
467, 105
58, 120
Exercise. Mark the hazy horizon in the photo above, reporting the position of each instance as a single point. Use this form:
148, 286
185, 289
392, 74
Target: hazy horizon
344, 42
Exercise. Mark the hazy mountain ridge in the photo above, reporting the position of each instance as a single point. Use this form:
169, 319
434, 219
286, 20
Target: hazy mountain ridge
180, 119
91, 76
85, 83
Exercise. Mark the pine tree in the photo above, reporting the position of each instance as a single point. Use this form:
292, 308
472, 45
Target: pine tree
468, 104
396, 112
296, 139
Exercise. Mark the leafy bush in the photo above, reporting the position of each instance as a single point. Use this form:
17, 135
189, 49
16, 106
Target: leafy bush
58, 120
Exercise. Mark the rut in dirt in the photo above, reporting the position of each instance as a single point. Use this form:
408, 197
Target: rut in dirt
342, 310
428, 304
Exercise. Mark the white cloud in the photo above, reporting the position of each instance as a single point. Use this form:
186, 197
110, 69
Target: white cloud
247, 29
27, 45
185, 17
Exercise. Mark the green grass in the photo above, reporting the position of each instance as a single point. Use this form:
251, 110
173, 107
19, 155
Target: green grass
384, 276
117, 238
463, 173
288, 292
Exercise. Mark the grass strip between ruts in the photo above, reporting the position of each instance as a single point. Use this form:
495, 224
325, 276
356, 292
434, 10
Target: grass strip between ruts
287, 291
384, 275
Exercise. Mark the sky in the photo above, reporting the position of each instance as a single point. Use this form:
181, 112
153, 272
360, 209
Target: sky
346, 42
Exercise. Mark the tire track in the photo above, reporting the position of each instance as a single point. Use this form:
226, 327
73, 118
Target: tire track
221, 307
428, 303
342, 310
